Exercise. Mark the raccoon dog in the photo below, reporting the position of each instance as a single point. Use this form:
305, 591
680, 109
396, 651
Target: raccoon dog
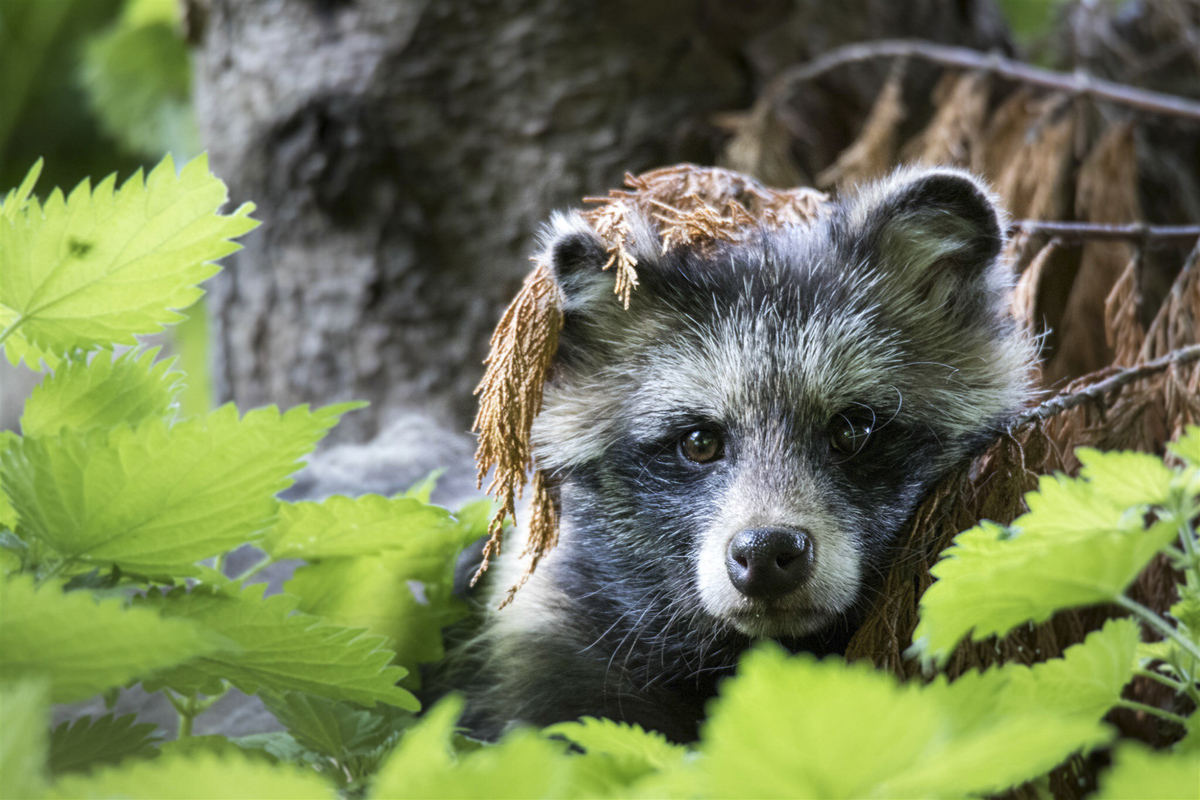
736, 454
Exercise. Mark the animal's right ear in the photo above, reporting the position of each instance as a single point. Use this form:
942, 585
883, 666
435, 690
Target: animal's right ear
582, 265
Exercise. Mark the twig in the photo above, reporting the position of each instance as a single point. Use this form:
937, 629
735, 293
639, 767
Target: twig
1093, 393
1075, 232
1078, 83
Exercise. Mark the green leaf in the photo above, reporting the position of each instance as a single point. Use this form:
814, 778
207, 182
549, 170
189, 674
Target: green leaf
98, 267
26, 712
89, 742
1087, 681
279, 650
325, 726
522, 765
361, 526
1187, 446
632, 751
1076, 546
827, 729
423, 489
156, 499
16, 199
83, 646
104, 393
230, 776
8, 514
138, 79
1139, 773
1125, 478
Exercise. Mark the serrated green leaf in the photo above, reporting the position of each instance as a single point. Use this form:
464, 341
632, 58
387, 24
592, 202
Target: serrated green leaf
522, 765
360, 526
1125, 479
280, 650
338, 730
8, 514
1187, 611
102, 393
138, 79
827, 729
90, 742
230, 776
25, 713
1139, 773
83, 646
98, 267
1076, 546
1187, 446
633, 751
423, 489
156, 499
16, 199
1087, 681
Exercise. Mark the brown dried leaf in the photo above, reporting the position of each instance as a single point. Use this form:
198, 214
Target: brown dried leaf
874, 151
1107, 192
1122, 319
1005, 133
510, 394
1024, 299
953, 135
761, 148
1033, 179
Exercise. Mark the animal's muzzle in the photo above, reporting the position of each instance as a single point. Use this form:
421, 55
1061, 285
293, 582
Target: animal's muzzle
768, 563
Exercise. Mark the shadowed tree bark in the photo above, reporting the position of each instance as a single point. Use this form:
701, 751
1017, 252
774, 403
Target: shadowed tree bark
403, 154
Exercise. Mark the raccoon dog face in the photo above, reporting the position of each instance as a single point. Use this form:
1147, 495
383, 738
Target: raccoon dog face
737, 451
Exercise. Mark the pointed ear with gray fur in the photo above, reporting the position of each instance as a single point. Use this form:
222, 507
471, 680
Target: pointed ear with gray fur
937, 231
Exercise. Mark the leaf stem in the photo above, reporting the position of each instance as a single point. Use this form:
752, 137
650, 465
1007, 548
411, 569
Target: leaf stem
1178, 686
254, 570
1133, 705
16, 323
1159, 624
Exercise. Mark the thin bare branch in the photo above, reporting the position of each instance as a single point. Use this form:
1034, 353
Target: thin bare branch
1075, 232
1095, 392
1077, 84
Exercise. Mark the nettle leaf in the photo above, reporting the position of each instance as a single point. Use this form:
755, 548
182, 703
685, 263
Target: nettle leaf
627, 751
90, 742
83, 646
522, 765
1139, 772
1187, 446
834, 730
1076, 546
228, 776
17, 199
102, 392
344, 526
96, 268
405, 595
26, 708
156, 499
279, 650
1125, 478
8, 514
336, 729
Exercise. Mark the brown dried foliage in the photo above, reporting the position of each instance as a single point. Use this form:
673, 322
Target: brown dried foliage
953, 136
1106, 191
874, 151
510, 396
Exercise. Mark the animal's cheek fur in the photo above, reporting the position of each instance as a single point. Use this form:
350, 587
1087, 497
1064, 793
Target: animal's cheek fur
838, 569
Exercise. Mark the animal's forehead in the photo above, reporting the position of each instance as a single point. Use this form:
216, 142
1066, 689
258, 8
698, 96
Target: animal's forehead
752, 355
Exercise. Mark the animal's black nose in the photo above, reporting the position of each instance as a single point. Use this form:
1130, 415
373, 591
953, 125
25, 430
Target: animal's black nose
765, 563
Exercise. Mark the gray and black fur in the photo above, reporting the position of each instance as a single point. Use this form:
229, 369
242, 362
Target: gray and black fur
887, 315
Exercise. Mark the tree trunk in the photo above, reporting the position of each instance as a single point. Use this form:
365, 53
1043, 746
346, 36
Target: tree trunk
404, 153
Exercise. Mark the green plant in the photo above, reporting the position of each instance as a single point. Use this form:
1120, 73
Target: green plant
117, 514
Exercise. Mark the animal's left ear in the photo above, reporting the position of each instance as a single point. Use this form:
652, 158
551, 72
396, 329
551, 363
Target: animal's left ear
935, 229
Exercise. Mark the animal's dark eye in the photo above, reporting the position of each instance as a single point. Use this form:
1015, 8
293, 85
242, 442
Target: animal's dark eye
701, 446
849, 431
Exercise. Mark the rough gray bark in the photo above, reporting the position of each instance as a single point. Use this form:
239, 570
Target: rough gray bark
404, 153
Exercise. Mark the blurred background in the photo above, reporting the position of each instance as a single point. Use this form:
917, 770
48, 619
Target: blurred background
403, 153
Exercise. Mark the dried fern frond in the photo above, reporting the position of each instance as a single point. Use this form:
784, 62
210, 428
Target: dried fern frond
510, 396
954, 133
1005, 133
873, 151
1122, 321
761, 147
1033, 180
1106, 192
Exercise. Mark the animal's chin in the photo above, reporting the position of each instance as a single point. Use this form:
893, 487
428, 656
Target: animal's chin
769, 623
